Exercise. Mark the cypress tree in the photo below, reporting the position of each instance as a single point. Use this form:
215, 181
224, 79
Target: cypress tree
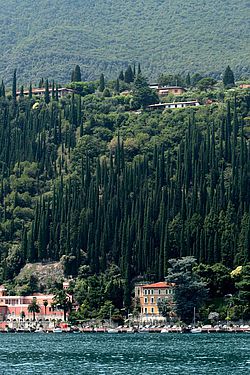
102, 83
14, 84
121, 76
56, 94
134, 71
53, 90
128, 76
228, 77
117, 86
21, 92
2, 90
76, 74
30, 91
188, 80
139, 69
46, 93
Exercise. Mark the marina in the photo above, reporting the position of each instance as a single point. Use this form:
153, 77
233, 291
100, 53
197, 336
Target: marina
128, 330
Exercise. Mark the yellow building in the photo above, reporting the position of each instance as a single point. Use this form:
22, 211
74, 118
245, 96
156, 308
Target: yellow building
149, 295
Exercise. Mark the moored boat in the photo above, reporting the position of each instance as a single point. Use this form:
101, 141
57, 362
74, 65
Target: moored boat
196, 330
112, 330
57, 330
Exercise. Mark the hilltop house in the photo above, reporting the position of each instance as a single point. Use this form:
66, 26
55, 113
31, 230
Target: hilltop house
245, 86
16, 307
165, 90
149, 295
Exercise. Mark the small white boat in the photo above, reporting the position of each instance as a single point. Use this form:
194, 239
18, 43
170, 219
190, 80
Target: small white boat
112, 330
165, 330
196, 330
130, 330
57, 330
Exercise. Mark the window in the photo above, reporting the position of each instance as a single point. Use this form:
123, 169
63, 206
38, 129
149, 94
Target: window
145, 291
146, 310
145, 300
152, 291
159, 291
152, 299
158, 299
152, 310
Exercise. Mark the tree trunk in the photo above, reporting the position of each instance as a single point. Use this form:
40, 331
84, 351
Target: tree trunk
64, 314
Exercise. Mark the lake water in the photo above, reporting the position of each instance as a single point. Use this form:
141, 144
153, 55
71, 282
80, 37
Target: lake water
130, 354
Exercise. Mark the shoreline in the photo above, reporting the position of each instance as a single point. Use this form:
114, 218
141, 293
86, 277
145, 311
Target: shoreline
128, 330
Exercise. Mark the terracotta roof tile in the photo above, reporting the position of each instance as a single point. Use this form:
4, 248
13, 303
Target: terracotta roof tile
161, 284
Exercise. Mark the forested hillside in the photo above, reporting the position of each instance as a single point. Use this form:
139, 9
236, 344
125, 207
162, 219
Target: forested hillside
91, 182
47, 38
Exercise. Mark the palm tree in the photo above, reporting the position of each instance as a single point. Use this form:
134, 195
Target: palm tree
45, 304
22, 315
62, 300
34, 308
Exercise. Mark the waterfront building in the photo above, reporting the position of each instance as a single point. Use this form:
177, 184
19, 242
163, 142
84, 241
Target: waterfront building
15, 308
149, 296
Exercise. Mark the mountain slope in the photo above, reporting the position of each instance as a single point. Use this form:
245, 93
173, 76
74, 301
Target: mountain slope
48, 38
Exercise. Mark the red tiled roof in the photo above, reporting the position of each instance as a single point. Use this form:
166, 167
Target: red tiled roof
161, 284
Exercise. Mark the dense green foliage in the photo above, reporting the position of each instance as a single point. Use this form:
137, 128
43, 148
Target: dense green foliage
190, 290
47, 38
88, 181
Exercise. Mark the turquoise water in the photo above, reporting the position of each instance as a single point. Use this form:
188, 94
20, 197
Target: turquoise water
138, 354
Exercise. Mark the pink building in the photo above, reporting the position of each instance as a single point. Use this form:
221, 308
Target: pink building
16, 307
245, 86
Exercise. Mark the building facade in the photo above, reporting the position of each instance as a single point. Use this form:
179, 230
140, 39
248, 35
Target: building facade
39, 92
17, 307
245, 86
149, 295
166, 90
174, 105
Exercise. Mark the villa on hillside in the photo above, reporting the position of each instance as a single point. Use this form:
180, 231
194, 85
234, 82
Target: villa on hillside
149, 296
16, 307
166, 90
245, 86
62, 91
174, 105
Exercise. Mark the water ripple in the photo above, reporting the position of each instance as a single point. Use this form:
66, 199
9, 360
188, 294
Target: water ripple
92, 354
